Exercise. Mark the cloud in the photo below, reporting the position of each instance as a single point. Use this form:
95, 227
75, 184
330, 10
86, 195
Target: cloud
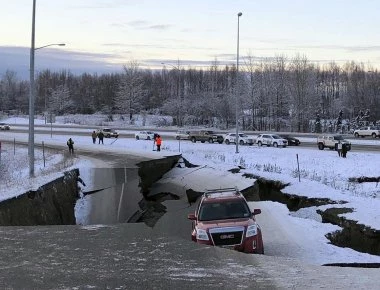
18, 59
184, 63
105, 4
375, 48
159, 27
138, 23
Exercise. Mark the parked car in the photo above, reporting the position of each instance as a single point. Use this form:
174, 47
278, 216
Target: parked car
370, 131
223, 218
291, 140
108, 132
145, 135
271, 140
183, 135
206, 136
4, 126
243, 139
330, 141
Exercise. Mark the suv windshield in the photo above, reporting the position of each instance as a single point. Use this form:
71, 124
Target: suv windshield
276, 137
337, 137
224, 210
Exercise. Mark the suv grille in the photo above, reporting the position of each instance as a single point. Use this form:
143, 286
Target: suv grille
227, 236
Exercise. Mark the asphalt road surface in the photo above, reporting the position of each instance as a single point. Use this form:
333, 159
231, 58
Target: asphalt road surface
135, 256
309, 139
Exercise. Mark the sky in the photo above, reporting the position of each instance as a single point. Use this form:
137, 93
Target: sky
324, 175
103, 35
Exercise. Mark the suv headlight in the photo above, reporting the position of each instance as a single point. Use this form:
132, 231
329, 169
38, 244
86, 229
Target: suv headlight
251, 231
202, 235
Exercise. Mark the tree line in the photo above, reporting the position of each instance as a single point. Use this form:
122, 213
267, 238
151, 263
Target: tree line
274, 94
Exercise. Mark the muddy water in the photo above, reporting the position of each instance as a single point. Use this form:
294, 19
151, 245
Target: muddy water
111, 195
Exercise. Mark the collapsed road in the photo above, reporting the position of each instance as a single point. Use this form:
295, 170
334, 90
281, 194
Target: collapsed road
156, 255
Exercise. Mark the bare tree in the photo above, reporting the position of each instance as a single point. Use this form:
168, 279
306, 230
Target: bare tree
131, 89
302, 92
60, 100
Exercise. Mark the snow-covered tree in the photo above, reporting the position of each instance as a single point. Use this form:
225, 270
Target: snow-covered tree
60, 101
131, 89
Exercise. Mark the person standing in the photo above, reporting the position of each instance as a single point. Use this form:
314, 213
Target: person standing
158, 142
339, 148
94, 135
344, 150
101, 136
70, 144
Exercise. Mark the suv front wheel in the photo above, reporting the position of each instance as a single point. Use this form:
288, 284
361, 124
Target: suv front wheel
259, 143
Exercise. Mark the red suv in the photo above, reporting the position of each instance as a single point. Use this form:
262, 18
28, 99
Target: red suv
223, 218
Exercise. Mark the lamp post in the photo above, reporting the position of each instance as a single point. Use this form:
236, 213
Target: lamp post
32, 92
52, 44
177, 68
237, 88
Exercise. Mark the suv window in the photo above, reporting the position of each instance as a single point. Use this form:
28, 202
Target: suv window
223, 210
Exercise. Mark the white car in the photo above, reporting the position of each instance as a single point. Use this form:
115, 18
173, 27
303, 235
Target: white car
367, 131
4, 126
183, 135
271, 140
108, 132
243, 139
144, 135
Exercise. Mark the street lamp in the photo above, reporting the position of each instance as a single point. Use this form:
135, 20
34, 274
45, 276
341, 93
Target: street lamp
178, 96
32, 92
237, 87
52, 44
178, 83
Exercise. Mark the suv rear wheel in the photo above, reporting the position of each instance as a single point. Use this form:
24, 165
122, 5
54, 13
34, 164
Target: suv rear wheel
137, 137
241, 142
321, 146
193, 139
210, 140
373, 135
356, 135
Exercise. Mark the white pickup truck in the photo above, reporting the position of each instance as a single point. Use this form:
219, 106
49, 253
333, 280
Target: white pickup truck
370, 131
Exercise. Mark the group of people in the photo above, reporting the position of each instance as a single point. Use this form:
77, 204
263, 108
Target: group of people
342, 149
99, 135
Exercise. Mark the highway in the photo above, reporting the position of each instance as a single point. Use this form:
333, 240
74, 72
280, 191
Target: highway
308, 140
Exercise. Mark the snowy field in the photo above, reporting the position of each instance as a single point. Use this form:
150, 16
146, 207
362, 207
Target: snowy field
323, 174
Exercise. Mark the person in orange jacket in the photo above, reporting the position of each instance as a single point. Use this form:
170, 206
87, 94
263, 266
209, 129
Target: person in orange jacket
158, 142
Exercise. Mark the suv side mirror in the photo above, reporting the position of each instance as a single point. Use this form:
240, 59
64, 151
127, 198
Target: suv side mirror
191, 217
256, 211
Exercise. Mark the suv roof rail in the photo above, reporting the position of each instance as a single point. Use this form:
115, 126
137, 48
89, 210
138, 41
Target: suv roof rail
219, 190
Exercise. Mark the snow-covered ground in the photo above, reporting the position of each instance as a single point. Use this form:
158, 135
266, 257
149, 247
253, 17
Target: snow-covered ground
323, 174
